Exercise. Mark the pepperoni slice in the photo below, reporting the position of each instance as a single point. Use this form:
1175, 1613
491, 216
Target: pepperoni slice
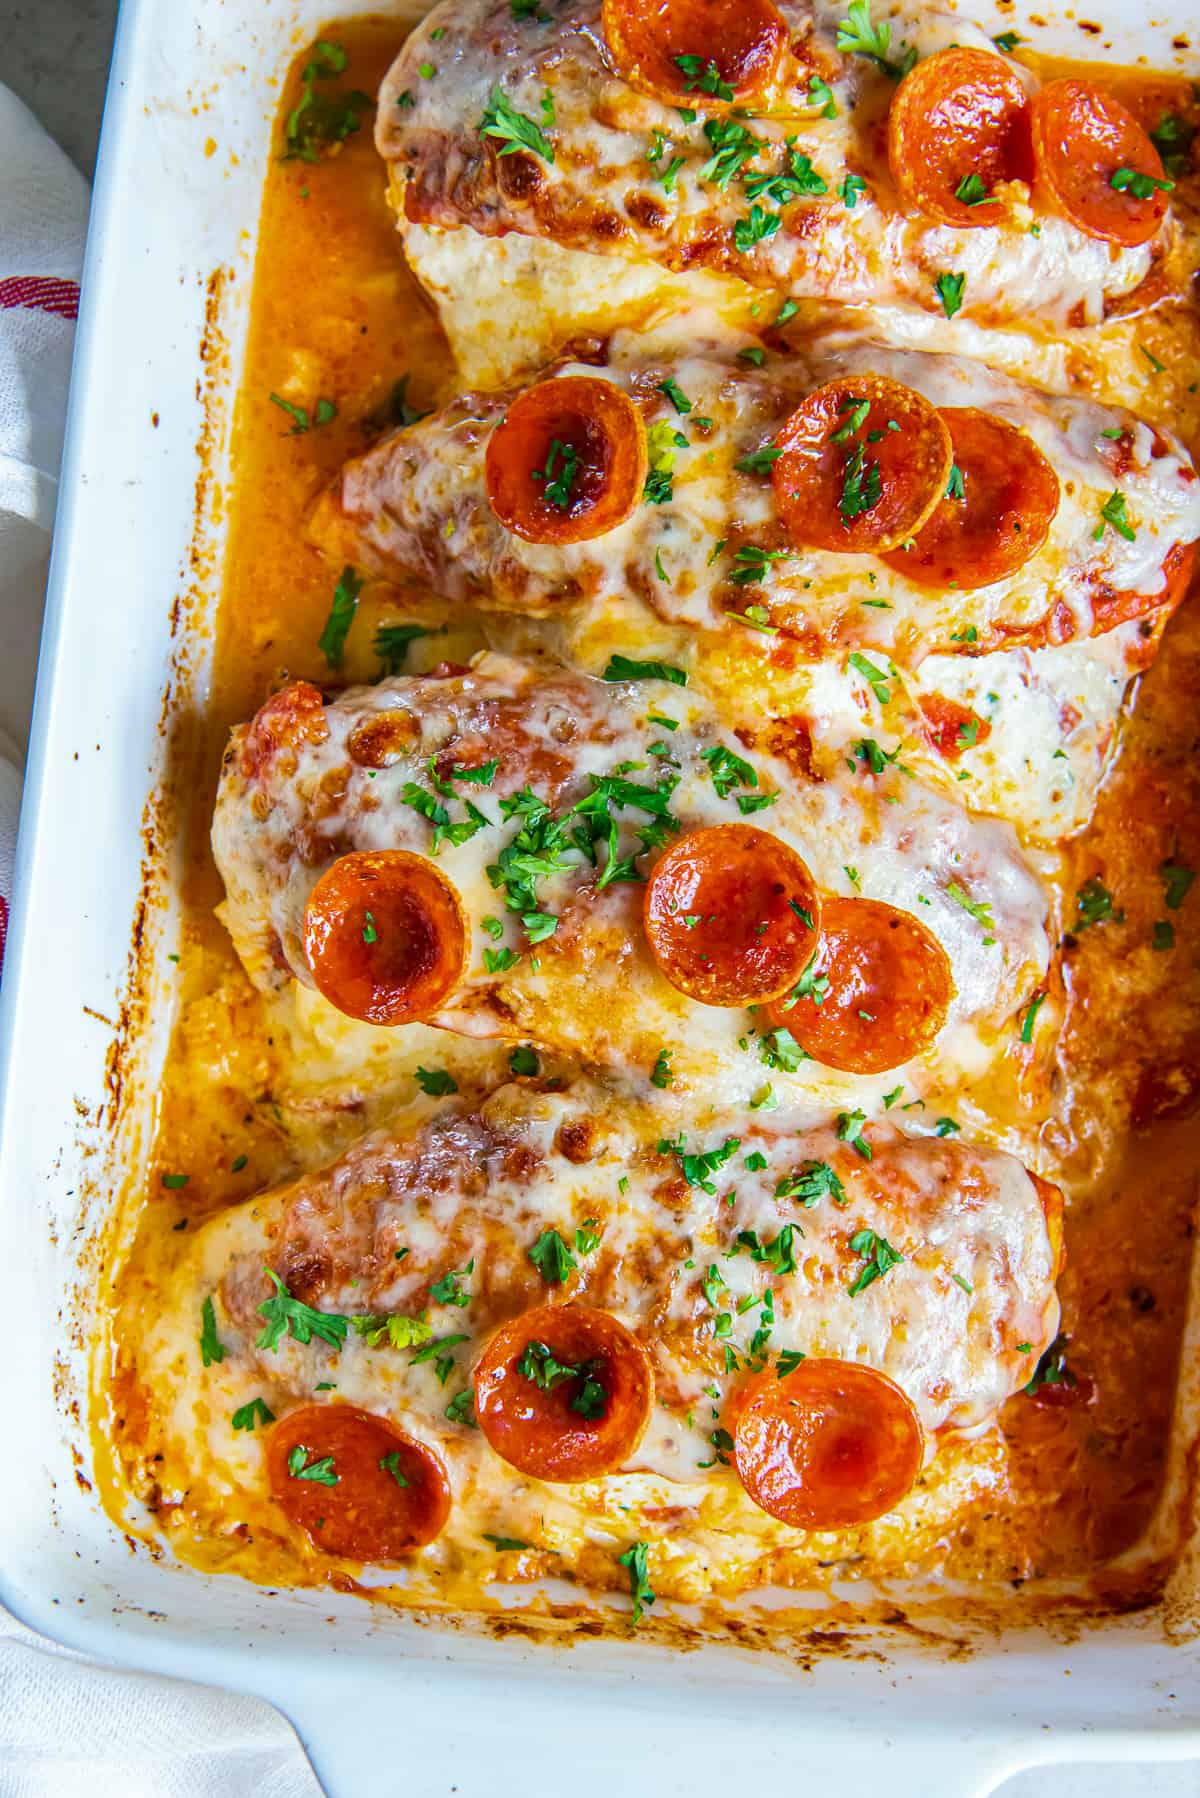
877, 993
864, 462
567, 462
994, 518
384, 936
291, 718
958, 126
705, 50
1083, 139
355, 1484
563, 1392
731, 915
828, 1446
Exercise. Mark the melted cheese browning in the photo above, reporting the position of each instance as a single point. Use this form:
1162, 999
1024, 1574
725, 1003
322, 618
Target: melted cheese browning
591, 987
604, 189
958, 1323
416, 507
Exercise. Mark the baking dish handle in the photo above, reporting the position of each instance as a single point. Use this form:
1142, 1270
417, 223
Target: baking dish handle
524, 1736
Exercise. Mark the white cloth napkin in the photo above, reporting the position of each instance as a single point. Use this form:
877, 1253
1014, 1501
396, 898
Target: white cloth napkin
69, 1727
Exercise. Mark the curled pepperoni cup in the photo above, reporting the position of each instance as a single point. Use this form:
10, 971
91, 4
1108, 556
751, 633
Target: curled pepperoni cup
567, 462
827, 1446
356, 1485
877, 994
958, 126
384, 936
564, 1392
1095, 165
1001, 499
290, 719
731, 915
862, 464
705, 50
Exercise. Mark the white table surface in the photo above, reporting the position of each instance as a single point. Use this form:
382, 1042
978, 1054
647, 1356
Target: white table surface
55, 56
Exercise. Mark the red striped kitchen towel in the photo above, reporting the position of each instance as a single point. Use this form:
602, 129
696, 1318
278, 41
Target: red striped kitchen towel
43, 218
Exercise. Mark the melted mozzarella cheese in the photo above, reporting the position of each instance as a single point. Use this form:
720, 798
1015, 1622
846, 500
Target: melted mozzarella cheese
592, 989
603, 190
957, 1323
417, 505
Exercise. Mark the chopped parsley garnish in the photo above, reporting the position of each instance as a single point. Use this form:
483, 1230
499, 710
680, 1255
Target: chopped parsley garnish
779, 1049
851, 191
175, 1182
875, 677
971, 190
514, 130
1164, 935
502, 1543
562, 466
862, 485
319, 1471
750, 563
821, 94
444, 831
552, 1258
778, 1254
732, 146
1177, 881
323, 413
397, 1331
788, 310
949, 290
587, 1236
539, 1365
392, 641
1094, 905
661, 1075
448, 1289
946, 1127
320, 118
436, 1082
811, 1182
212, 1349
704, 74
787, 1361
461, 1409
332, 641
499, 961
1142, 187
757, 227
634, 1560
857, 34
979, 909
1113, 512
759, 461
1052, 1369
625, 668
956, 486
523, 1061
878, 1255
391, 1464
249, 1416
698, 1169
801, 178
369, 933
849, 1129
285, 1315
1007, 41
728, 770
675, 394
439, 1350
1030, 1018
1172, 138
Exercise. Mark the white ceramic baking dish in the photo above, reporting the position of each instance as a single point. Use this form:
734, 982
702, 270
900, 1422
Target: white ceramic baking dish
85, 1014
